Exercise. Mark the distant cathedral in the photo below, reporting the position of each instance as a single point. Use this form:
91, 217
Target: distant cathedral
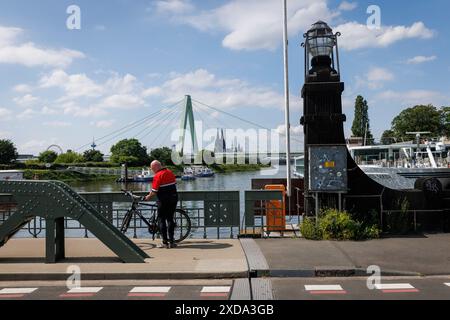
221, 144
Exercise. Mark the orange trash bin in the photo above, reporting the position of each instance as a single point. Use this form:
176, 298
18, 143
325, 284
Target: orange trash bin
276, 210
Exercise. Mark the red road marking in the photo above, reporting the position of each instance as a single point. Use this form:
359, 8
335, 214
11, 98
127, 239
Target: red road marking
399, 290
328, 292
146, 294
9, 296
76, 295
213, 294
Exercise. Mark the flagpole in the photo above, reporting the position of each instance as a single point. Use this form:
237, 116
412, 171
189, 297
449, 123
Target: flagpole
286, 100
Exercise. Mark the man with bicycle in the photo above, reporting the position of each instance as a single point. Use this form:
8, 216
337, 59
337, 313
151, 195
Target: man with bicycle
164, 186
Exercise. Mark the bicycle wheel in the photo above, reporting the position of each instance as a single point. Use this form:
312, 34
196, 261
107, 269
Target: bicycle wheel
126, 221
182, 225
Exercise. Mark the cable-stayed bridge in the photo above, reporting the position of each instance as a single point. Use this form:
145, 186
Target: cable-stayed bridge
185, 125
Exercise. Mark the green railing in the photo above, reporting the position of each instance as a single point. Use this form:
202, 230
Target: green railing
213, 214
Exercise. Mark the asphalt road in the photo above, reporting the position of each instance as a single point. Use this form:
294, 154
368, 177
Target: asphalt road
351, 288
119, 290
390, 288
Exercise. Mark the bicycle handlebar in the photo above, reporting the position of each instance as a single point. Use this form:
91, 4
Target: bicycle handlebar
137, 199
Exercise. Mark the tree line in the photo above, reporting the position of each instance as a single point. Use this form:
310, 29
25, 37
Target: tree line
130, 151
420, 118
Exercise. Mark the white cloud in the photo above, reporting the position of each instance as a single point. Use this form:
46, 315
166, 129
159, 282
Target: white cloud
295, 130
23, 88
5, 114
27, 114
222, 93
153, 91
26, 101
75, 85
31, 55
348, 6
173, 6
415, 97
421, 59
357, 36
103, 123
5, 134
35, 146
374, 79
122, 101
257, 24
379, 74
48, 111
72, 109
58, 124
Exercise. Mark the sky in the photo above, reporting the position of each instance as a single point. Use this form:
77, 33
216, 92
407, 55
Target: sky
131, 59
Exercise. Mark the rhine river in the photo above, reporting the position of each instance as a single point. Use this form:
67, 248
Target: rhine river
237, 181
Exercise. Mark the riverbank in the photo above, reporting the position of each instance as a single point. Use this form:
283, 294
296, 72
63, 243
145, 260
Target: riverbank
65, 176
61, 174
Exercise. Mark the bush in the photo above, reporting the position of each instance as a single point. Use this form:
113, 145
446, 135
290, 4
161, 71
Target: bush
69, 157
309, 229
48, 156
337, 225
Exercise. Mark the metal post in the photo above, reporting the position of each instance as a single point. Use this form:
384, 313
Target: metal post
316, 198
50, 254
286, 101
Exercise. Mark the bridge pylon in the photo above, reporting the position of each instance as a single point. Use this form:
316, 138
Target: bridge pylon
188, 117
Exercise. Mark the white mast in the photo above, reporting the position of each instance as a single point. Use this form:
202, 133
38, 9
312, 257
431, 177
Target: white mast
286, 100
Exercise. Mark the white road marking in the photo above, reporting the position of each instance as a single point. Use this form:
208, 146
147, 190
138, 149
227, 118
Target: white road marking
17, 290
85, 290
393, 286
447, 284
216, 289
150, 290
323, 288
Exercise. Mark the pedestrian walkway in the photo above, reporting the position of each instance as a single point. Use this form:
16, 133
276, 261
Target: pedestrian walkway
420, 255
23, 259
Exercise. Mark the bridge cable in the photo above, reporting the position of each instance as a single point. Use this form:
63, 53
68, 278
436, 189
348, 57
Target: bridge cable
134, 124
172, 117
241, 119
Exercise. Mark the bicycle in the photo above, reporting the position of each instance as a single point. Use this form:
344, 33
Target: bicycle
182, 220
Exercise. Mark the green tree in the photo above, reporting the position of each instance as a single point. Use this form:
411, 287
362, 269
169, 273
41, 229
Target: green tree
69, 157
48, 156
388, 137
163, 155
445, 121
361, 123
8, 152
93, 156
418, 118
129, 151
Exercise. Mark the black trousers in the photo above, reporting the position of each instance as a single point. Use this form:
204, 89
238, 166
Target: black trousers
166, 212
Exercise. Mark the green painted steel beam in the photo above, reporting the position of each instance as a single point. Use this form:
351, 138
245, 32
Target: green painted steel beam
53, 201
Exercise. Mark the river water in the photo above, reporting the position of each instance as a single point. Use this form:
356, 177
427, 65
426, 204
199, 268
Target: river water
237, 181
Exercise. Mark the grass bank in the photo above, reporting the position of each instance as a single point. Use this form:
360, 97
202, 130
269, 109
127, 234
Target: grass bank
66, 176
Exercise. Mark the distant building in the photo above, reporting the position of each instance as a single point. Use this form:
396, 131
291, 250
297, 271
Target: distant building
22, 158
11, 175
221, 145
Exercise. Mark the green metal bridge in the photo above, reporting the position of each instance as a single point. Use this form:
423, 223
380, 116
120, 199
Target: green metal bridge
54, 207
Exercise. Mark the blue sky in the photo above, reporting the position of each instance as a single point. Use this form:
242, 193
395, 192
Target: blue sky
131, 58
